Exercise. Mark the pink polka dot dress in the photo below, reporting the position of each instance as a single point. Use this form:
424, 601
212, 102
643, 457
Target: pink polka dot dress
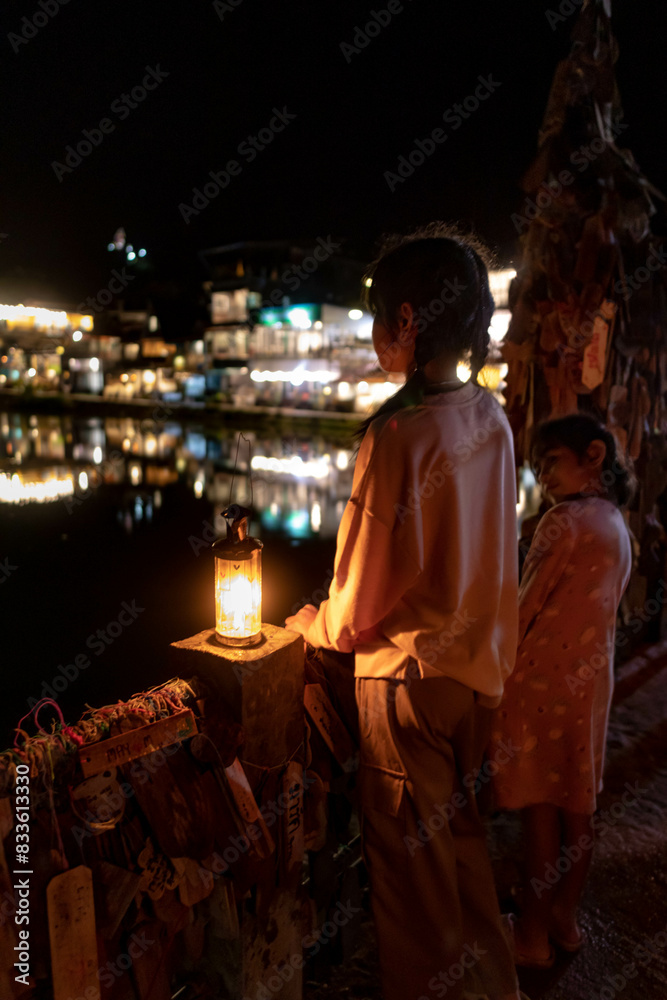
548, 736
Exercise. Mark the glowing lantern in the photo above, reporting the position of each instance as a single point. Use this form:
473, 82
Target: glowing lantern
238, 582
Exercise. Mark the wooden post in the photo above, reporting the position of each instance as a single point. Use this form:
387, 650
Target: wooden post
263, 686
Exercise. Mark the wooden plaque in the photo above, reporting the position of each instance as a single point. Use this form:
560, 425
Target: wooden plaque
137, 743
71, 910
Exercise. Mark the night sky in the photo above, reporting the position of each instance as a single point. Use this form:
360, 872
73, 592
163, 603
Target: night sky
218, 76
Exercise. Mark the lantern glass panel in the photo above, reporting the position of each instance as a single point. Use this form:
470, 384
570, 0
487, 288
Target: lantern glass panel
238, 598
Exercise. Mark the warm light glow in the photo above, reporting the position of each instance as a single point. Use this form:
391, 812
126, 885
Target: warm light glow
34, 316
317, 325
316, 517
199, 488
327, 390
60, 349
149, 377
14, 490
492, 375
31, 372
77, 336
124, 377
499, 283
355, 314
135, 475
238, 597
97, 455
342, 460
368, 282
86, 323
463, 372
94, 364
315, 468
500, 321
83, 480
296, 377
344, 391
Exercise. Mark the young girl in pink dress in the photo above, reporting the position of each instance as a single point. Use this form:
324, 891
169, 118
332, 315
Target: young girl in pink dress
556, 703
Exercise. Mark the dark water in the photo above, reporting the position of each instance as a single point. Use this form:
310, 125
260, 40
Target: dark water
135, 529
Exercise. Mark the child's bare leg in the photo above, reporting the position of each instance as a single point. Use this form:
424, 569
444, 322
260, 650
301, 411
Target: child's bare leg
578, 840
541, 826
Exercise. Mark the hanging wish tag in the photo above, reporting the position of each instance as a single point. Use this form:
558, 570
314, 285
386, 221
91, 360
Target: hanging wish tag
99, 802
248, 808
71, 912
292, 831
330, 726
135, 743
595, 353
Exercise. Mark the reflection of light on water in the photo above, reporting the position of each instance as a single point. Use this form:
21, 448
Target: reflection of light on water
314, 468
298, 523
14, 490
316, 517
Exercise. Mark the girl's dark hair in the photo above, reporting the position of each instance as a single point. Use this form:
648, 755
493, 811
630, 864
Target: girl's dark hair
443, 274
577, 431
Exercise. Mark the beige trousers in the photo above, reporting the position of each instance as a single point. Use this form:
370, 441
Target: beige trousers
432, 889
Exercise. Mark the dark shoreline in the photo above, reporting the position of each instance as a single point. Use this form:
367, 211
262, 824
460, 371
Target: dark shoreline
340, 424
